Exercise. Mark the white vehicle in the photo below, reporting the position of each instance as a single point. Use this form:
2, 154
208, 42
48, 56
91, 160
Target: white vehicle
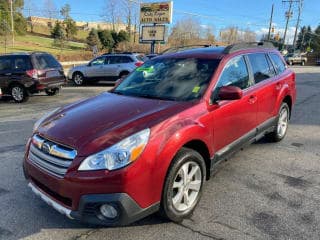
106, 67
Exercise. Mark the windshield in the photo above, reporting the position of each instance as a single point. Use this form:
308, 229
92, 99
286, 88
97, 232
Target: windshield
179, 79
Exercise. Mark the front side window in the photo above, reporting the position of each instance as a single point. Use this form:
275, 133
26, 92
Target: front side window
5, 64
260, 67
235, 74
180, 79
278, 63
98, 61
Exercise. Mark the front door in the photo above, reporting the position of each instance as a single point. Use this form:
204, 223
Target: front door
235, 118
96, 68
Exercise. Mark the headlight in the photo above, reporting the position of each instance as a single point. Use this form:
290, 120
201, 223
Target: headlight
37, 124
118, 155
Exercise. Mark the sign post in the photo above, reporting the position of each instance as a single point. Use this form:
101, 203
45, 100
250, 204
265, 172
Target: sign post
155, 14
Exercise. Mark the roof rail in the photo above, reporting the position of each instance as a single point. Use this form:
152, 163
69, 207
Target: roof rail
181, 48
247, 45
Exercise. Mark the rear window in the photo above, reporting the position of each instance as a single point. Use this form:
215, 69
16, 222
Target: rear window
45, 61
260, 67
5, 64
141, 58
278, 63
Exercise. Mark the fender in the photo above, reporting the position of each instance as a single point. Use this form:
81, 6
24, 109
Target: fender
284, 91
178, 135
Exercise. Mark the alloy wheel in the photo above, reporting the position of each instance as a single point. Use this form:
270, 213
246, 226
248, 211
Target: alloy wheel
186, 186
17, 93
283, 122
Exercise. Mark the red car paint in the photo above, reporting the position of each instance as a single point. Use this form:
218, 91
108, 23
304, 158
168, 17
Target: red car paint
97, 123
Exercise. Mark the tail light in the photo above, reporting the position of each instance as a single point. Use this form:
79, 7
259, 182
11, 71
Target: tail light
138, 64
32, 73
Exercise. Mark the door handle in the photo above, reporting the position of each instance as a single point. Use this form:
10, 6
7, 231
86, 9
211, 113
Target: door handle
278, 86
252, 99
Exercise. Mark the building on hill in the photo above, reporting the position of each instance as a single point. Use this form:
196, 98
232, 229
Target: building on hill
47, 22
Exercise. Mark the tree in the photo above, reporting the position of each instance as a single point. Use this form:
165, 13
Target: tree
304, 38
186, 31
112, 10
65, 11
106, 39
58, 34
20, 23
70, 27
315, 42
69, 24
49, 9
93, 39
122, 36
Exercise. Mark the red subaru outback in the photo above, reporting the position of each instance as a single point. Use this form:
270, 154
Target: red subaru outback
152, 142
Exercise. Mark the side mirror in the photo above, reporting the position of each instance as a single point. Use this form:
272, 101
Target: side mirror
230, 93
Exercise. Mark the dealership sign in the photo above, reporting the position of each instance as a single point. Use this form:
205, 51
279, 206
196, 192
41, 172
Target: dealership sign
156, 13
153, 33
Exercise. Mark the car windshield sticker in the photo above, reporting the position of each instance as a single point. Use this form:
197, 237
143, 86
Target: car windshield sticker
196, 89
145, 69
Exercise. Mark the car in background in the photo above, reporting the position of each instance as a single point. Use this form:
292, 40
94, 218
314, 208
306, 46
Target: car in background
106, 67
294, 58
22, 74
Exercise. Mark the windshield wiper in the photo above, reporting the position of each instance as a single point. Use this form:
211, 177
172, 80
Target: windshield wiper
156, 97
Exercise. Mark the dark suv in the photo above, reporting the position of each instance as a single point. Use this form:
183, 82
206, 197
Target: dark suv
22, 74
151, 143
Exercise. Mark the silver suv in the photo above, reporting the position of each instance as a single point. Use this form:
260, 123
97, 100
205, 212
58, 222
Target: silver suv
106, 67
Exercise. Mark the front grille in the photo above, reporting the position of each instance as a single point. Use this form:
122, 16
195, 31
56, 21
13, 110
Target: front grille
50, 157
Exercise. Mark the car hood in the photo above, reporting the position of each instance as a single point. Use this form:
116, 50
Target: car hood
99, 122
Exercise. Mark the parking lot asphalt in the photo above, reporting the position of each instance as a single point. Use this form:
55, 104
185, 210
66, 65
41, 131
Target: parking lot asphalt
266, 191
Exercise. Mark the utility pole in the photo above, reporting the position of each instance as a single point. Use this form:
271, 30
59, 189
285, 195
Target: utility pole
297, 25
12, 22
270, 25
288, 16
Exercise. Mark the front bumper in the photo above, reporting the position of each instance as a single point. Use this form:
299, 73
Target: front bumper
88, 211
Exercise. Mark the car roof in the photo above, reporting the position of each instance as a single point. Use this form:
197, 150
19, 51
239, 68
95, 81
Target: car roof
23, 53
218, 52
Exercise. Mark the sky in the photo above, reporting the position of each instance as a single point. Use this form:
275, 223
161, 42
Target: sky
252, 14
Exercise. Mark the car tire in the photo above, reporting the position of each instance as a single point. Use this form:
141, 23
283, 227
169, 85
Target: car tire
52, 91
302, 63
19, 93
183, 185
78, 78
281, 127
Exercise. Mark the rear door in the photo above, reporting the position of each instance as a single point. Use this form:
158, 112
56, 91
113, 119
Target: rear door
234, 119
265, 85
49, 69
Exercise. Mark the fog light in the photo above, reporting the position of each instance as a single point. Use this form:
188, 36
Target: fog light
108, 211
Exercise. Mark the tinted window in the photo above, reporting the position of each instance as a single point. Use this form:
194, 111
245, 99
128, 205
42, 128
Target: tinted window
125, 59
115, 60
235, 73
21, 63
45, 61
182, 79
5, 64
260, 67
98, 61
278, 63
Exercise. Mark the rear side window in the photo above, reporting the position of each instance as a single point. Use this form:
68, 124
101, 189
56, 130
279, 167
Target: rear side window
260, 67
45, 61
21, 63
5, 64
125, 59
278, 63
235, 74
